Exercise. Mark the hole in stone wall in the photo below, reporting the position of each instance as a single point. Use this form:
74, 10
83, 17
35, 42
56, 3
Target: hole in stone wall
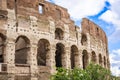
104, 61
74, 54
97, 31
2, 40
84, 39
1, 50
22, 50
59, 34
59, 52
100, 59
42, 52
85, 58
93, 58
41, 8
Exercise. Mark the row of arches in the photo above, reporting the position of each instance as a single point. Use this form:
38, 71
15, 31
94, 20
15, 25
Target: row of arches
22, 51
59, 35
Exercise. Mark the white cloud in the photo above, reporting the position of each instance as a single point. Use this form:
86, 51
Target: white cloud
81, 8
115, 62
109, 16
116, 71
113, 16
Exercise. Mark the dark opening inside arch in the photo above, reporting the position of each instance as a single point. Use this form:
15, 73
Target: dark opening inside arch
2, 40
74, 54
85, 58
84, 39
59, 53
104, 61
42, 52
93, 58
59, 34
22, 50
100, 59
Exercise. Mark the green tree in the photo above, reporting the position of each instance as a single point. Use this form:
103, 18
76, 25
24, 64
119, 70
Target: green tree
92, 72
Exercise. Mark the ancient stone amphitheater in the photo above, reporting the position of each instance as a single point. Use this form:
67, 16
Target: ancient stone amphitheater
37, 36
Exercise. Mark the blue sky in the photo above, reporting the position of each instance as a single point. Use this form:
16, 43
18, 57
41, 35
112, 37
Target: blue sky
105, 13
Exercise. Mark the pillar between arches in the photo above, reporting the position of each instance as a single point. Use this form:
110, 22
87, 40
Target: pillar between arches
52, 60
32, 61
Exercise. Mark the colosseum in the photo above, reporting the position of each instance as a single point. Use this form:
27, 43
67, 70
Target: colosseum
37, 36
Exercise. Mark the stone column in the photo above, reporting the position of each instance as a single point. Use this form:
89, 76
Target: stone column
89, 58
81, 60
77, 59
33, 61
9, 58
97, 59
66, 32
102, 61
52, 59
67, 58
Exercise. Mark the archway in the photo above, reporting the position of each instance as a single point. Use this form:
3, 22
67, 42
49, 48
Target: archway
85, 58
22, 50
104, 62
74, 55
2, 40
84, 39
100, 59
59, 34
43, 52
93, 57
59, 54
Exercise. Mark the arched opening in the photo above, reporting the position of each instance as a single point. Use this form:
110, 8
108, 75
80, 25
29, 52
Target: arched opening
93, 58
22, 50
84, 39
2, 40
59, 54
85, 58
74, 55
104, 61
43, 52
100, 59
59, 34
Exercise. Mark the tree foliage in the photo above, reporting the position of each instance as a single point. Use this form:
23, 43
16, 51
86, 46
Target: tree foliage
92, 72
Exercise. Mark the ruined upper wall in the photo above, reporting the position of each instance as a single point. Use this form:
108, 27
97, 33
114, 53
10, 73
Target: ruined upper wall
27, 8
31, 7
94, 30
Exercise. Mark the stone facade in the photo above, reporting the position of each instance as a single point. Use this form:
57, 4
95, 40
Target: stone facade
37, 36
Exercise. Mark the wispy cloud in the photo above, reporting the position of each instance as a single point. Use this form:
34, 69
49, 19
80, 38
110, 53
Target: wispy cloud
115, 62
81, 8
113, 16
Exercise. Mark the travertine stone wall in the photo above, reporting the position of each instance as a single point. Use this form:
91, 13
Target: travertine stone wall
20, 19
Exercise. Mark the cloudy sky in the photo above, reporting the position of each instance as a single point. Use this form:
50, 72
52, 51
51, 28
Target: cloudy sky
105, 13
